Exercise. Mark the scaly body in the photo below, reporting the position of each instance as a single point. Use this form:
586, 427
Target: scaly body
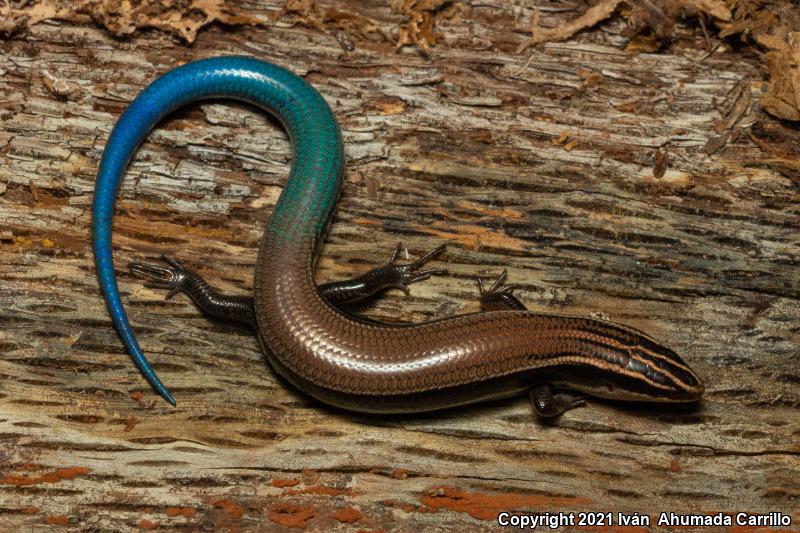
355, 363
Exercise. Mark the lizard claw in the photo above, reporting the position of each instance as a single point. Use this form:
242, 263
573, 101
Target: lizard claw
499, 296
159, 277
498, 288
404, 275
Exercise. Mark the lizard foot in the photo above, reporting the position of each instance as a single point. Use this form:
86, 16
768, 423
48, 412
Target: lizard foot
401, 276
549, 404
499, 296
176, 279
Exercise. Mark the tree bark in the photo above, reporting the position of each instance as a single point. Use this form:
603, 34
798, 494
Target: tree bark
647, 189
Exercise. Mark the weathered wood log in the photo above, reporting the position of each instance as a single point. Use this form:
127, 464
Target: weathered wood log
647, 189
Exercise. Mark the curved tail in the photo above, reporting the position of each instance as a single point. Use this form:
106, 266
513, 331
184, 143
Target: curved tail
263, 84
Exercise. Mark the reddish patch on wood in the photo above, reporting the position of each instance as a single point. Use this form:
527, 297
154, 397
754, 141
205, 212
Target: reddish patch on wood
281, 482
30, 510
47, 477
399, 473
230, 507
58, 520
674, 465
291, 515
320, 489
348, 515
488, 506
147, 524
19, 481
130, 424
71, 473
180, 511
370, 531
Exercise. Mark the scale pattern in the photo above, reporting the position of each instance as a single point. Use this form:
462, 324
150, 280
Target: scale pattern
314, 345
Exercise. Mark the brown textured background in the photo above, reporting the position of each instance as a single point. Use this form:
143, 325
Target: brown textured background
650, 189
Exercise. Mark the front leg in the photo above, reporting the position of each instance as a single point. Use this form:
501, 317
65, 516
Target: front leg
499, 297
547, 403
177, 278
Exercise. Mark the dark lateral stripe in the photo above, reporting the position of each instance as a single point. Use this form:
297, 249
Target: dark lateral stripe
637, 338
637, 378
681, 367
571, 358
679, 374
589, 339
602, 363
682, 382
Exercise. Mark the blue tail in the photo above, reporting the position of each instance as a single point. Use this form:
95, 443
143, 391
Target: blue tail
268, 86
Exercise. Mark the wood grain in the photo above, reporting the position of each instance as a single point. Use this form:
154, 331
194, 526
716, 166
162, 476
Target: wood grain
549, 171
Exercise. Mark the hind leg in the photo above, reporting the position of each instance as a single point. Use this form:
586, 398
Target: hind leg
177, 278
550, 404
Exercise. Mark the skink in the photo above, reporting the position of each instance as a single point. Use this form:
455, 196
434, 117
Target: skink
308, 335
